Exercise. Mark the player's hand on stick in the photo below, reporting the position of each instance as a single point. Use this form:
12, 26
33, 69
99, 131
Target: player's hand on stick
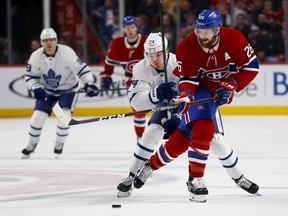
106, 80
91, 89
182, 100
163, 91
128, 82
225, 92
39, 92
170, 125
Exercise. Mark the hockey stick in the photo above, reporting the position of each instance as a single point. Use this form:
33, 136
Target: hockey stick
62, 116
162, 36
101, 90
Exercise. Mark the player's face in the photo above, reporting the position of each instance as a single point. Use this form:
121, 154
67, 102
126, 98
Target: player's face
206, 37
130, 31
50, 46
156, 60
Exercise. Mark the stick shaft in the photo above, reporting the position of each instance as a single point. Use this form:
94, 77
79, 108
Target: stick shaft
70, 121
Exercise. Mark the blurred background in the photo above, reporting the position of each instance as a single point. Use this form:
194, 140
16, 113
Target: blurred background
88, 26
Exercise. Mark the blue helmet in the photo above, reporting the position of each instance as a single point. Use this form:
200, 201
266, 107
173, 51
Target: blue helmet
129, 20
209, 19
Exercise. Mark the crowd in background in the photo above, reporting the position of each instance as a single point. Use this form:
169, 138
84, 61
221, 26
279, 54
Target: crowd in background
261, 21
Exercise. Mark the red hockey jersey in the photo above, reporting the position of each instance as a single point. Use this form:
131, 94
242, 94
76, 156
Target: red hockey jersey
122, 53
232, 57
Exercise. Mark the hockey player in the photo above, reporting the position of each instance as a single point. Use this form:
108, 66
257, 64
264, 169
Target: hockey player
212, 60
149, 89
52, 74
125, 51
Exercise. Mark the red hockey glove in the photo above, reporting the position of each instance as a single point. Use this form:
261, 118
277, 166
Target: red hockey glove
182, 100
128, 82
225, 92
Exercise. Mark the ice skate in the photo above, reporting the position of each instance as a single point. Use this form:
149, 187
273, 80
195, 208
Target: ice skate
197, 190
125, 187
58, 149
247, 185
28, 150
143, 173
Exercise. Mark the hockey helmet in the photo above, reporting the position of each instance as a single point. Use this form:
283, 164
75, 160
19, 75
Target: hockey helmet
129, 20
153, 43
47, 33
209, 19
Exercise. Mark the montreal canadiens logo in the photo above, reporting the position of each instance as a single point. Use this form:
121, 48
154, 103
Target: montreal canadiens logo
130, 65
216, 74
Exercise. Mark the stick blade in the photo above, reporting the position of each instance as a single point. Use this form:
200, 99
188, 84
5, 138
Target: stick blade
61, 115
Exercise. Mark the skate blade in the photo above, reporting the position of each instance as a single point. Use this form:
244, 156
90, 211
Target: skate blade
124, 194
197, 198
25, 156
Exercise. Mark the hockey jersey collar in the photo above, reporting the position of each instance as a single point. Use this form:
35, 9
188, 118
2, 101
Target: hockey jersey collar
128, 46
213, 49
50, 55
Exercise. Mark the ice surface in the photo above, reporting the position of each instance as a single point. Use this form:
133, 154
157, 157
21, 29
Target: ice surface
97, 156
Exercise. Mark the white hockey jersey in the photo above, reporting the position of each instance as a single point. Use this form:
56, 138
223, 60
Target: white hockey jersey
146, 78
57, 74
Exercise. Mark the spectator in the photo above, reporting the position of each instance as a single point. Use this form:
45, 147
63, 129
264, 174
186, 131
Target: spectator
104, 14
255, 10
3, 50
169, 31
151, 10
241, 25
258, 42
143, 27
185, 9
223, 6
111, 30
35, 44
276, 52
190, 22
268, 11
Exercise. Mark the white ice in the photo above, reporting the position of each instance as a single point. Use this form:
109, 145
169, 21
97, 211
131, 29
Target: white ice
97, 156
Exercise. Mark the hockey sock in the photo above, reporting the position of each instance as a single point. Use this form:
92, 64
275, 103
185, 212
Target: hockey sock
198, 150
175, 146
139, 124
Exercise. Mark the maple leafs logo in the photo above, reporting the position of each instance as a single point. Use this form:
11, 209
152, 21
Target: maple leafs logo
52, 80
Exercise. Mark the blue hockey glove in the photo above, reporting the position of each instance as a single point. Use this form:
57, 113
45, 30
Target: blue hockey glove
163, 91
225, 92
39, 92
171, 124
91, 89
106, 80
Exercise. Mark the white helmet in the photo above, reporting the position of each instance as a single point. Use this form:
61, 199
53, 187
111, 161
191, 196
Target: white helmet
154, 43
47, 33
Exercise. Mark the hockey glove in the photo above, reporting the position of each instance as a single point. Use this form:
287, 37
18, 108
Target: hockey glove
91, 89
39, 92
106, 80
171, 124
128, 82
182, 100
225, 92
163, 91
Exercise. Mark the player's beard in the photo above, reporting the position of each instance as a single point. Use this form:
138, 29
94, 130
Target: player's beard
208, 43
